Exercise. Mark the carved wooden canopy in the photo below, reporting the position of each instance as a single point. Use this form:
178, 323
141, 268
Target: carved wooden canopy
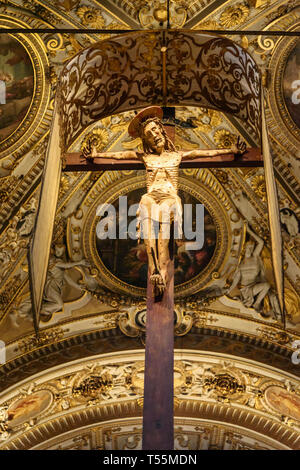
171, 68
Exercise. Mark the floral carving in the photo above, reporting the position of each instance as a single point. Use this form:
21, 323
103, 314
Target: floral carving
224, 138
259, 187
93, 385
90, 17
207, 119
224, 385
46, 337
234, 15
98, 138
116, 75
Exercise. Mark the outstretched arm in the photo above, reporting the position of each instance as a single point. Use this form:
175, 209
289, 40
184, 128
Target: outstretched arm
260, 242
71, 264
126, 155
238, 149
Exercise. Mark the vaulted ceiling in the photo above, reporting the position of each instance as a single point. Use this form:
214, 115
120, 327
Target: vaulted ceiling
79, 385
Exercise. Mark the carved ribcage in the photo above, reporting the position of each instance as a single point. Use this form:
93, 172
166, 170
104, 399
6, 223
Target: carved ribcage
173, 176
171, 173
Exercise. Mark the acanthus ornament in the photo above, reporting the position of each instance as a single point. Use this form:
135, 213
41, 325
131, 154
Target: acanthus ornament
90, 17
234, 15
224, 138
154, 14
98, 138
93, 385
45, 337
132, 322
259, 187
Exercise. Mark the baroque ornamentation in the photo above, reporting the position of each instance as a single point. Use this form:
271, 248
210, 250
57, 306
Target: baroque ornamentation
225, 382
207, 119
277, 336
31, 129
133, 322
8, 183
57, 277
41, 11
234, 15
93, 385
281, 124
64, 186
91, 17
15, 239
224, 138
97, 139
224, 386
211, 74
208, 24
250, 284
154, 14
45, 337
201, 384
259, 187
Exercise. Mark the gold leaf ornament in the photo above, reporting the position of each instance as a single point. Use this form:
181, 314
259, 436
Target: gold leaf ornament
90, 17
259, 187
224, 139
98, 138
234, 15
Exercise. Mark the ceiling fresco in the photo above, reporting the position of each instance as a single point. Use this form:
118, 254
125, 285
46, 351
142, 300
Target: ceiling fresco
232, 355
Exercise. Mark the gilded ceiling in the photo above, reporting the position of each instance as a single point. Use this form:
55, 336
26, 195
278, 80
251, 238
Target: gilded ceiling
236, 385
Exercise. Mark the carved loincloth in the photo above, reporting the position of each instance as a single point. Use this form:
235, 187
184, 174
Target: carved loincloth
165, 208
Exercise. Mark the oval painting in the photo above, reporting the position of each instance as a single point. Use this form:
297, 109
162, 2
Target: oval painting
16, 84
127, 260
284, 402
291, 84
29, 407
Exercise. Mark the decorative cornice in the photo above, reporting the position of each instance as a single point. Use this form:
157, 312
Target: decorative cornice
208, 338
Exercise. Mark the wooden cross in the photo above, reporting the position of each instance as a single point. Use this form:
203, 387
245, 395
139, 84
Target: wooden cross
158, 410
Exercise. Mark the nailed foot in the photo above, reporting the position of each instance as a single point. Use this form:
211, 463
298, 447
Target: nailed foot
158, 283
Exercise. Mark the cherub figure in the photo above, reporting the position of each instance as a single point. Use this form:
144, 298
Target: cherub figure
161, 205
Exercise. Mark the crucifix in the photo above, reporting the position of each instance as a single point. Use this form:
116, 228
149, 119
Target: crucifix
162, 162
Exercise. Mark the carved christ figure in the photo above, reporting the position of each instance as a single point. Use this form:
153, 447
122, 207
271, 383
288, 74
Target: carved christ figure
162, 161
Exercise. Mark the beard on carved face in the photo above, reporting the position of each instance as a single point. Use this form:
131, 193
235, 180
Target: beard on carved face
153, 144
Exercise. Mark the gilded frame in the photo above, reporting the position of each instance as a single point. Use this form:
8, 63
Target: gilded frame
209, 198
276, 98
31, 128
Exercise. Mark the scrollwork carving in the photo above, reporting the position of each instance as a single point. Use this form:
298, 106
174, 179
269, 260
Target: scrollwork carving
116, 75
132, 322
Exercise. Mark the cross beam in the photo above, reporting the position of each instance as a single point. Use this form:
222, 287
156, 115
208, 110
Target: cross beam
251, 158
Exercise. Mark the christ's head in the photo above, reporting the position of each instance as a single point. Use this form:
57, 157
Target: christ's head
154, 136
